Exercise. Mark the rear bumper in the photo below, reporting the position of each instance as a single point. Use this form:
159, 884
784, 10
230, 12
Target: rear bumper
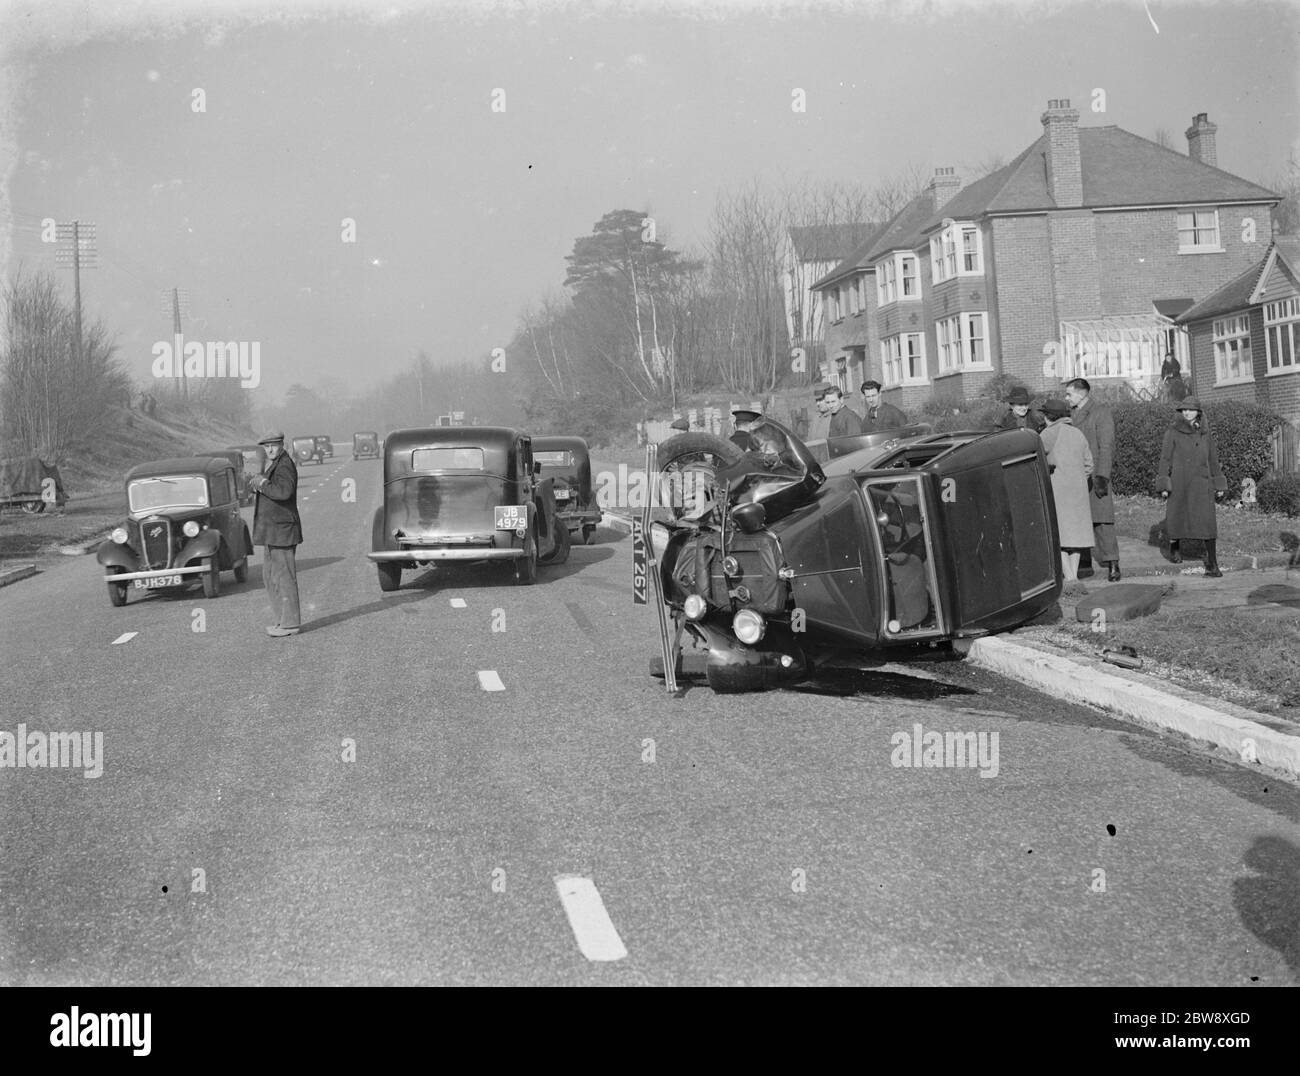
422, 556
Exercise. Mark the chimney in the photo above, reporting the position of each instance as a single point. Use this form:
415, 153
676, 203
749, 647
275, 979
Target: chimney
945, 185
1200, 140
1064, 172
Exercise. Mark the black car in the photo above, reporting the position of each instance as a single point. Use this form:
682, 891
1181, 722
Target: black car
568, 461
365, 445
308, 450
183, 527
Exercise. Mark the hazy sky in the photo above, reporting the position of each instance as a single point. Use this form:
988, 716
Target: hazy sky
381, 112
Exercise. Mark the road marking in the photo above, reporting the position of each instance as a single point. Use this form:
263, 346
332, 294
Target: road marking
591, 924
488, 680
126, 638
580, 618
458, 603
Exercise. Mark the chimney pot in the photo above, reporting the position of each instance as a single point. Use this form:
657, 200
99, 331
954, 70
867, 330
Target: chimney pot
1064, 168
1200, 140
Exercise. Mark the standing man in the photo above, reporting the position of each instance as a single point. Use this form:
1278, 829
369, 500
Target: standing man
277, 526
844, 420
877, 415
1095, 421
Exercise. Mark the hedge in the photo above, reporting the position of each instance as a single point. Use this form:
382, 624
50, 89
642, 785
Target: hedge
1279, 493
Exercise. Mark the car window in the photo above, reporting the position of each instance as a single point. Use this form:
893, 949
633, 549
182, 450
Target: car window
447, 459
554, 459
152, 494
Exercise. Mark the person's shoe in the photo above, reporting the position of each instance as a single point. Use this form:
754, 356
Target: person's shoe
1113, 575
1213, 571
278, 632
1085, 572
1175, 554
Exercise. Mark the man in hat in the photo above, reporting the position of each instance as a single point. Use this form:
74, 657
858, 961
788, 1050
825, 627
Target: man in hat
1019, 417
278, 527
877, 415
1094, 420
844, 420
744, 420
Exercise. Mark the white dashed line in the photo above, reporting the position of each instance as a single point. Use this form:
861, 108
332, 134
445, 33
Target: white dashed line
488, 680
126, 638
591, 924
458, 603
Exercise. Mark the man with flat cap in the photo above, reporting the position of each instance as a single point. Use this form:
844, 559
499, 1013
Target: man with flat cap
744, 420
278, 527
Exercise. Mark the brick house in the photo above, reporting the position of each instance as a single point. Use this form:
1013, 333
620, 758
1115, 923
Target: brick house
807, 253
1074, 259
1244, 340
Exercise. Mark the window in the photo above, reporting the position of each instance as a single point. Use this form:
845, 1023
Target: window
886, 285
855, 298
834, 297
909, 277
1232, 349
1198, 231
902, 359
963, 342
1130, 346
958, 250
898, 277
1280, 331
862, 293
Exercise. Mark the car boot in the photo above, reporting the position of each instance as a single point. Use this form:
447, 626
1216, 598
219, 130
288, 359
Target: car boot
1113, 575
1212, 559
1175, 554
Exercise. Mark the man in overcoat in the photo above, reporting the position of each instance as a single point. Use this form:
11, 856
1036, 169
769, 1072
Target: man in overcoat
1094, 420
278, 527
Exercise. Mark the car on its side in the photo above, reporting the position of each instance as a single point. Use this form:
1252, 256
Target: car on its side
365, 445
307, 450
568, 461
464, 494
183, 526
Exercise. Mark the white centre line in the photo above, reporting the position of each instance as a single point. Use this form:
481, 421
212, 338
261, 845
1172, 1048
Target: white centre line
488, 680
458, 603
591, 924
125, 638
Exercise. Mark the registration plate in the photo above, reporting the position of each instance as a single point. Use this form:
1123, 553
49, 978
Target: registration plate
511, 516
561, 494
156, 581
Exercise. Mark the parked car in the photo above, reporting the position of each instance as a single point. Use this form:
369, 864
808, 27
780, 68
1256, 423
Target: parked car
31, 484
929, 540
365, 445
463, 494
568, 461
308, 450
325, 445
183, 527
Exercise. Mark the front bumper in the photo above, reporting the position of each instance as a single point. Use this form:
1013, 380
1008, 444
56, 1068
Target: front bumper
421, 556
154, 573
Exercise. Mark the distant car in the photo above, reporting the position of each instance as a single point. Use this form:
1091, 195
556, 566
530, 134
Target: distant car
325, 445
308, 450
254, 464
463, 494
568, 461
365, 445
183, 527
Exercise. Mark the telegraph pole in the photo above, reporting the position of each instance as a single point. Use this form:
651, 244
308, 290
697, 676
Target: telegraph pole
80, 249
173, 301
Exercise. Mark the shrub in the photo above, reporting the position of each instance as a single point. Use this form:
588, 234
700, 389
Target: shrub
979, 415
940, 403
1242, 435
1279, 493
1000, 387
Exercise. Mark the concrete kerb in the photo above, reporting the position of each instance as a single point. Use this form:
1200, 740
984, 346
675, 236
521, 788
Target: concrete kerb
82, 548
13, 575
618, 523
1202, 719
1240, 562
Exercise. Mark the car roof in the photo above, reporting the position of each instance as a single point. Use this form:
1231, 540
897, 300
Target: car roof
946, 451
552, 442
245, 448
180, 465
499, 437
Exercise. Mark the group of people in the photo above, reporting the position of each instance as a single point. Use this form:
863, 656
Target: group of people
846, 422
1078, 435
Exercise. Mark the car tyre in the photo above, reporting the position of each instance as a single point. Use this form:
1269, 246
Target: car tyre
33, 508
562, 546
117, 591
588, 533
526, 566
733, 679
211, 578
390, 577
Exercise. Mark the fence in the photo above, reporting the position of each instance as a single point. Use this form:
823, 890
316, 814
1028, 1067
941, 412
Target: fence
1286, 455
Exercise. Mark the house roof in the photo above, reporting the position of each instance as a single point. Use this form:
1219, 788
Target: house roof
1171, 308
905, 230
1234, 295
829, 242
1118, 167
856, 260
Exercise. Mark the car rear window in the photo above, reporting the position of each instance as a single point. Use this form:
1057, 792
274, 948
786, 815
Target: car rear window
447, 459
553, 459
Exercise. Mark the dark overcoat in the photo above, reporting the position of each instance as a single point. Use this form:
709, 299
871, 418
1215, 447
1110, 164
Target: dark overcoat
884, 416
1033, 420
845, 423
1095, 421
275, 519
1189, 472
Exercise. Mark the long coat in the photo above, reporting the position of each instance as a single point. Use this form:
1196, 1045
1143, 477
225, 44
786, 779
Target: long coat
1189, 471
275, 519
1068, 452
1097, 424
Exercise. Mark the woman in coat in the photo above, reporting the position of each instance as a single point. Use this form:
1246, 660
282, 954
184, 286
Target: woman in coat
1189, 476
1070, 461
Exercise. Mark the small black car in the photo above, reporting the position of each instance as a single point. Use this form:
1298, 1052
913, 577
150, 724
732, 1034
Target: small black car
183, 526
568, 461
365, 445
308, 450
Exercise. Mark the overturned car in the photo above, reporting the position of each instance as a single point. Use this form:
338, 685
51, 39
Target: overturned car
789, 564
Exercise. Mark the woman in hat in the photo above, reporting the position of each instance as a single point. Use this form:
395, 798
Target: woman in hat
1189, 476
1019, 417
1070, 461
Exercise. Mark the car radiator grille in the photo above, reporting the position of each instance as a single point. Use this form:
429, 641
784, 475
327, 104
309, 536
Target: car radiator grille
156, 543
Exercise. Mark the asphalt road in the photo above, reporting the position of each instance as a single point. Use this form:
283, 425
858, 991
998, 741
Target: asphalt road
754, 839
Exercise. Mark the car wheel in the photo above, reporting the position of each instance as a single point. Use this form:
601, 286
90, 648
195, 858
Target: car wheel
588, 534
33, 508
526, 566
690, 461
562, 546
731, 679
390, 576
211, 578
117, 591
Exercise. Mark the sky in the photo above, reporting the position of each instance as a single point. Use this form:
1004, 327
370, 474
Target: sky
222, 147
